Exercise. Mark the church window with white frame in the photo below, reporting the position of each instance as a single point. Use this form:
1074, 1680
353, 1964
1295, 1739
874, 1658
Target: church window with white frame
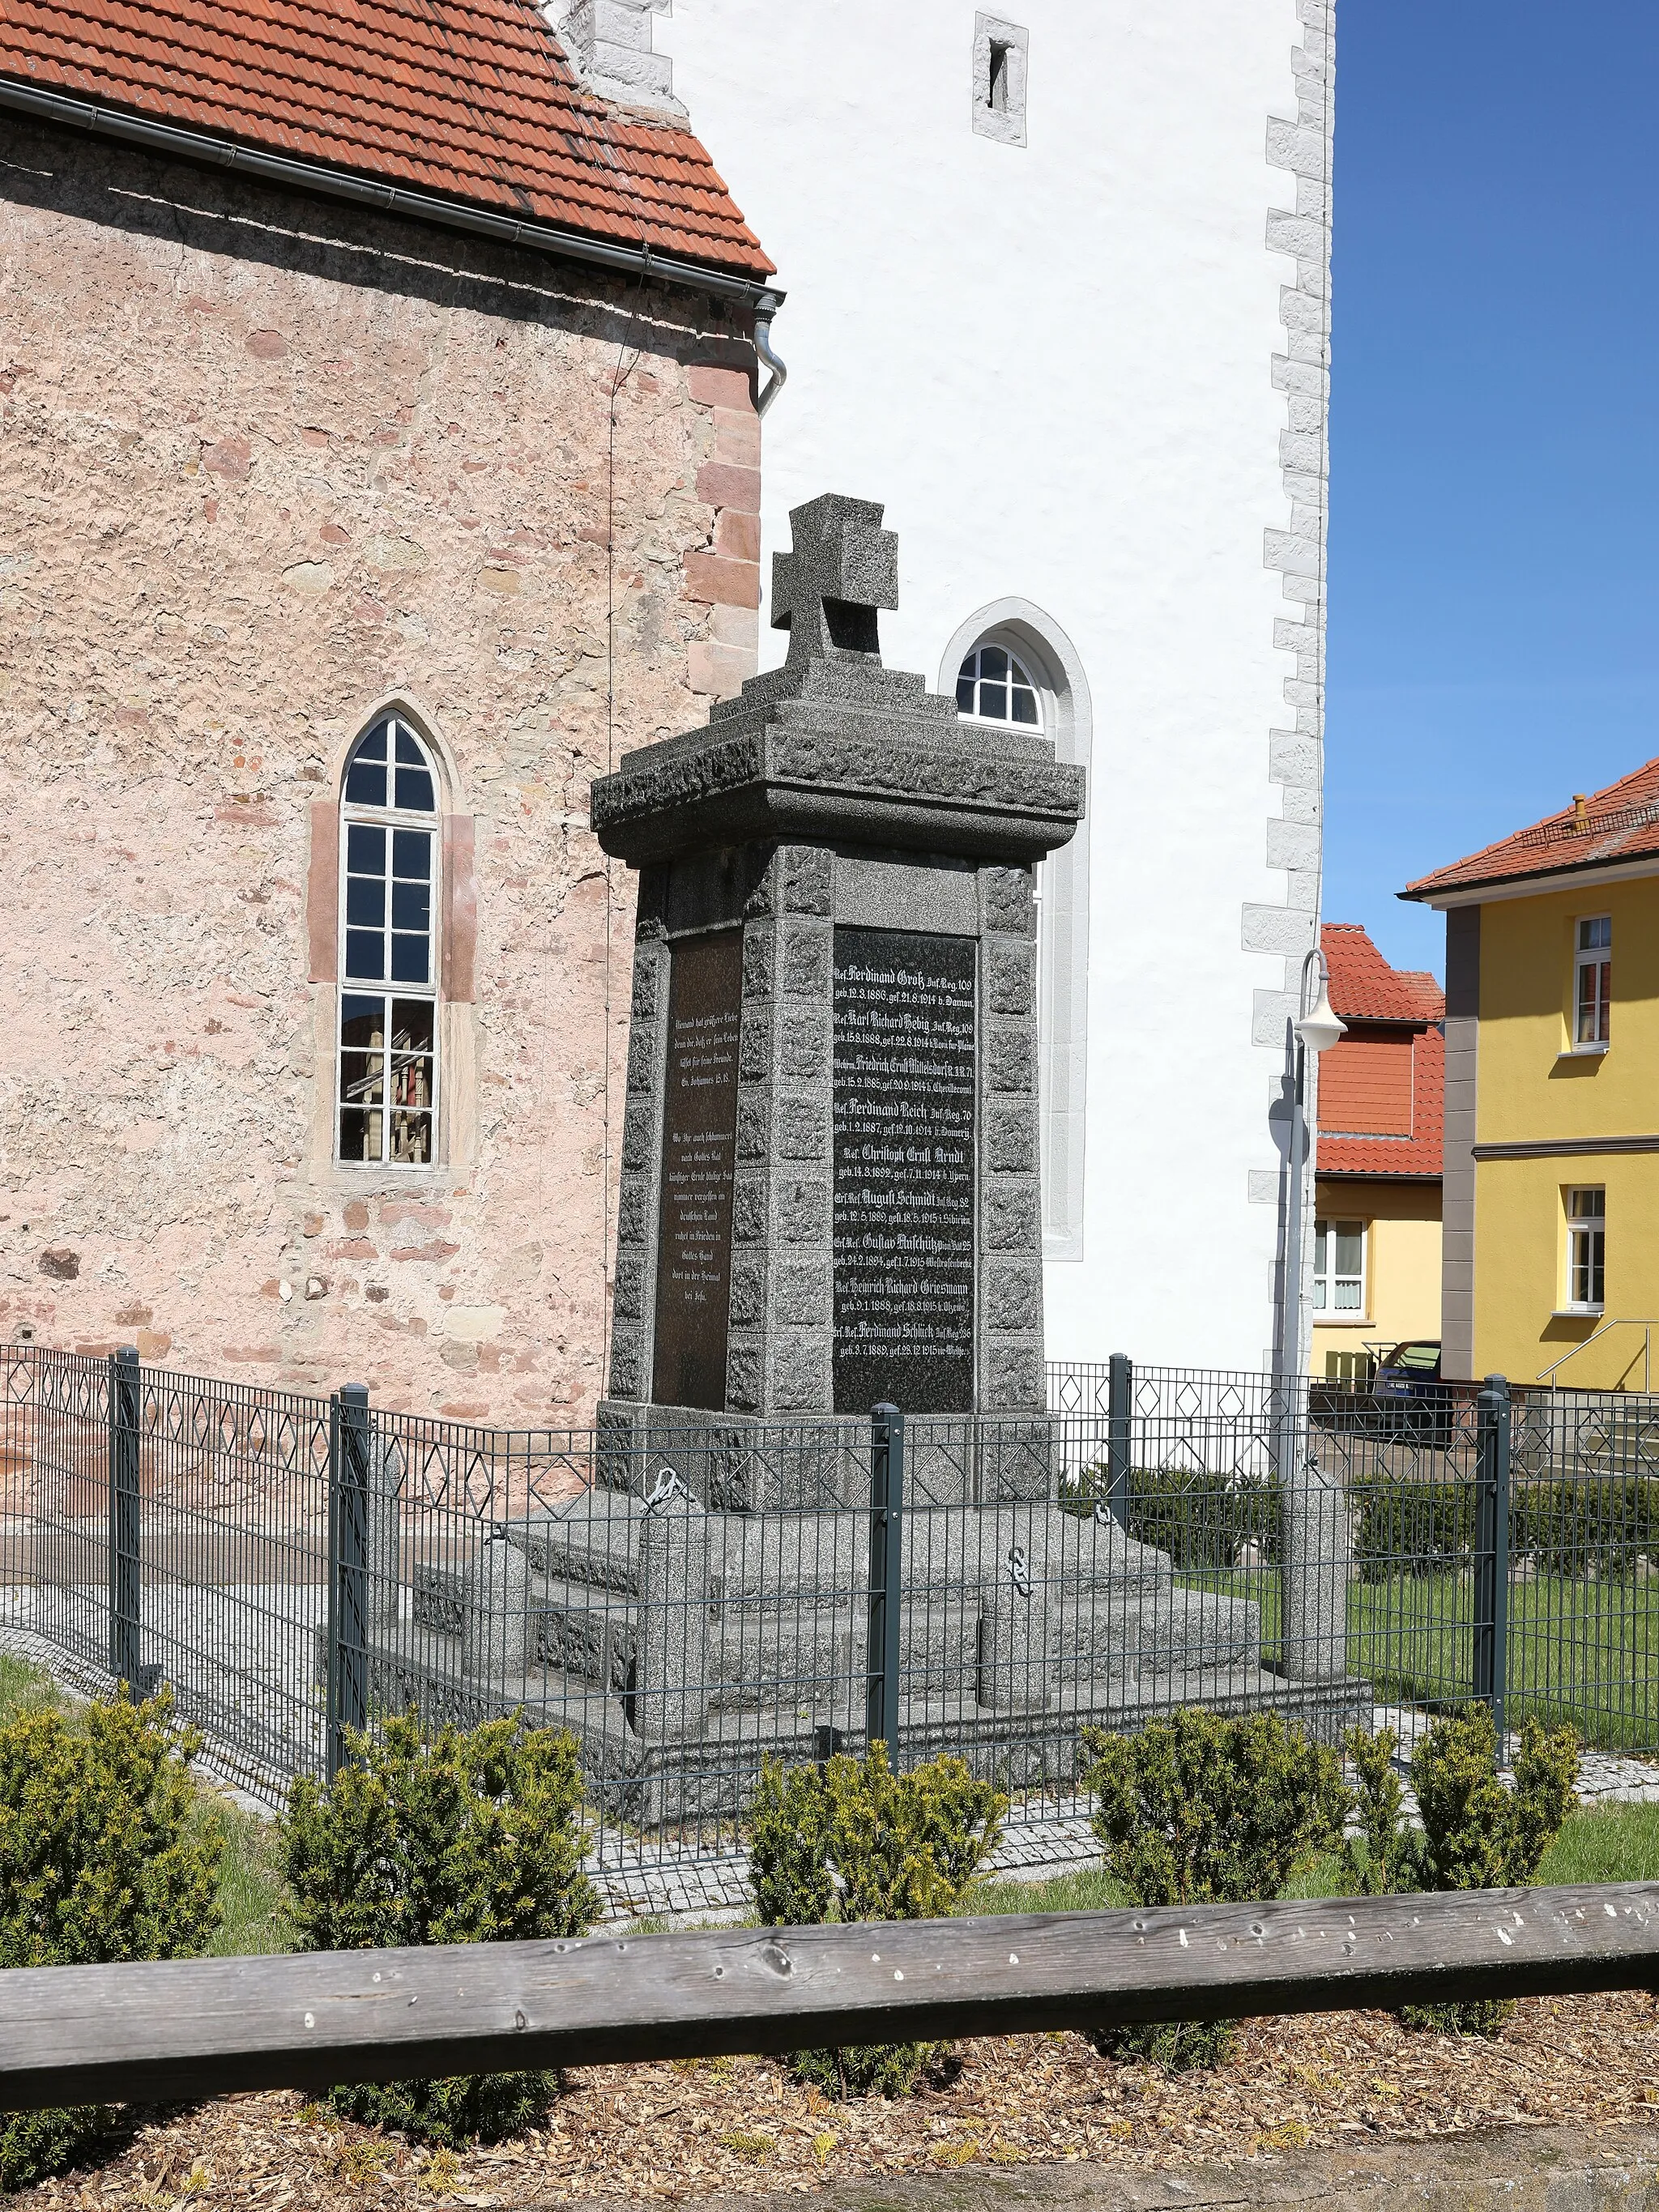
993, 685
1001, 65
386, 1096
1015, 669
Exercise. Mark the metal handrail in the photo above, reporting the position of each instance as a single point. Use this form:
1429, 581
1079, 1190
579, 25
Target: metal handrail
1621, 1321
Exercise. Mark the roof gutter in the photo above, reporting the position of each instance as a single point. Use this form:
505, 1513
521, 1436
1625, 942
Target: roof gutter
1491, 887
346, 185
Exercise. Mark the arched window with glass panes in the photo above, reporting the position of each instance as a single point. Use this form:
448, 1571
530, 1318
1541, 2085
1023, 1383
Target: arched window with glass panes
1016, 670
993, 685
386, 1102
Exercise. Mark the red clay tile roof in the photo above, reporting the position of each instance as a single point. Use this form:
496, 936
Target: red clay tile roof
1364, 987
1392, 1011
472, 99
1416, 1155
1619, 824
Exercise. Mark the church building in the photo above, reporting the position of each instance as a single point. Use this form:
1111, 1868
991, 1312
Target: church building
380, 461
382, 386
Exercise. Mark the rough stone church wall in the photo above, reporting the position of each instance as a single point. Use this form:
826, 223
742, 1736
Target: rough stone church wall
268, 465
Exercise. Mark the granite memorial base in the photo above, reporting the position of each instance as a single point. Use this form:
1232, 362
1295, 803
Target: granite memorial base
682, 1643
740, 1463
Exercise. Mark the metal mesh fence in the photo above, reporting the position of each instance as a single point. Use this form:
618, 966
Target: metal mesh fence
692, 1595
1513, 1557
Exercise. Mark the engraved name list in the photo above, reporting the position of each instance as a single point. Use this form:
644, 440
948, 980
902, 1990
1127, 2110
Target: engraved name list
904, 1069
700, 1120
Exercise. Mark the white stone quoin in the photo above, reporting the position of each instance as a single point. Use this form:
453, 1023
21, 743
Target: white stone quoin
1058, 286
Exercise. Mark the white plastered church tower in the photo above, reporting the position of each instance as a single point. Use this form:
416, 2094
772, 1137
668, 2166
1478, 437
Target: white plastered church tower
1059, 295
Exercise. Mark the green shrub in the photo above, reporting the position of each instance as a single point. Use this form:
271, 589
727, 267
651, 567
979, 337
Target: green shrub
1599, 1525
472, 1838
1196, 1810
1202, 1521
1384, 1856
1475, 1834
104, 1858
33, 2145
851, 1840
1403, 1527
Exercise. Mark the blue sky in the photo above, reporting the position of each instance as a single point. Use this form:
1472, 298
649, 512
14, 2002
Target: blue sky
1494, 559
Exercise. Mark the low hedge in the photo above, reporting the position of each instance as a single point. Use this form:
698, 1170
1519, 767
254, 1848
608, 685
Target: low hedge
1594, 1528
105, 1858
1597, 1527
1202, 1521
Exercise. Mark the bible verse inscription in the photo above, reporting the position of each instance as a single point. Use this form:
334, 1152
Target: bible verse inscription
904, 1044
699, 1122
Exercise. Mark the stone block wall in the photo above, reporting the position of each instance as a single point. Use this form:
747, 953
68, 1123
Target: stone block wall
269, 466
1303, 148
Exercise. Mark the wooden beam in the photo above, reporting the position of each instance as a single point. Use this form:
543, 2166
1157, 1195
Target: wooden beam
197, 2027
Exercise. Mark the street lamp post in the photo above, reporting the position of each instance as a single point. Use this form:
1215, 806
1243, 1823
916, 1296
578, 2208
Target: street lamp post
1314, 1542
1317, 1029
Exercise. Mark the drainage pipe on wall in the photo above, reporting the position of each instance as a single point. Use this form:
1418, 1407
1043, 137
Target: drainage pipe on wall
765, 307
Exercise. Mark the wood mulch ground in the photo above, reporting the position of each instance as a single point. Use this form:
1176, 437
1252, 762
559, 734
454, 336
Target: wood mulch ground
691, 2128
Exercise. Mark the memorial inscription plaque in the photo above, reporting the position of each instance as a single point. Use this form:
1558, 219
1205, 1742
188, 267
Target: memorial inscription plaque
700, 1122
903, 1212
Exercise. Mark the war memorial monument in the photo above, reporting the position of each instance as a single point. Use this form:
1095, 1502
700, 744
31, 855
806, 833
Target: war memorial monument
830, 1200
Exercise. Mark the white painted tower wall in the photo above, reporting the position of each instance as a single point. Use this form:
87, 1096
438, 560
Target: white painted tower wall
1087, 374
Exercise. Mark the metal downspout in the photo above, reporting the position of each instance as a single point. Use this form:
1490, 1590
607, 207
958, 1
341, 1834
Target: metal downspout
765, 307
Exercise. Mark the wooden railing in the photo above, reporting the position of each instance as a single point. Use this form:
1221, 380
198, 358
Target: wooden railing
195, 2028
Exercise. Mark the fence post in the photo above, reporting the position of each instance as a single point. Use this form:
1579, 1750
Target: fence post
347, 1578
1491, 1550
126, 1560
1315, 1543
886, 1574
1120, 1380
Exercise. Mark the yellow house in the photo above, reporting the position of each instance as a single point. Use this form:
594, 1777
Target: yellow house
1376, 1230
1551, 1267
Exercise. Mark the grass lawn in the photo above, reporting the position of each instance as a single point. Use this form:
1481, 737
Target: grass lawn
1614, 1842
1580, 1651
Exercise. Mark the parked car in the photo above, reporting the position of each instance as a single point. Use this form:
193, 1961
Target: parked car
1409, 1393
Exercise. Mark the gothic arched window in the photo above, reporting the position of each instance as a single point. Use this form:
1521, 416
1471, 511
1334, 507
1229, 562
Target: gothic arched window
387, 1098
992, 686
1017, 670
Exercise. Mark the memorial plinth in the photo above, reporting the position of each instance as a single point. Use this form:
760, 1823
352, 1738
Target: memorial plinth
830, 1190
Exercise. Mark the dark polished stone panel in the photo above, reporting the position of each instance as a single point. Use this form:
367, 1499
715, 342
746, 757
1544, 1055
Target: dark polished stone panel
700, 1120
904, 1051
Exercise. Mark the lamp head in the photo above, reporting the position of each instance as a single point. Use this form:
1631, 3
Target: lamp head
1319, 1029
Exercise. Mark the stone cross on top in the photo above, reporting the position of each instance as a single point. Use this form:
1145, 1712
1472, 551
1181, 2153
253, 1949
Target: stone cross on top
843, 567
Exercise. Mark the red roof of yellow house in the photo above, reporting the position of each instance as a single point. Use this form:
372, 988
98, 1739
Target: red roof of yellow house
1621, 822
1381, 1087
468, 100
1363, 985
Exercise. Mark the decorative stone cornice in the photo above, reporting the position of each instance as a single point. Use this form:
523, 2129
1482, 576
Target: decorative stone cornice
806, 776
832, 745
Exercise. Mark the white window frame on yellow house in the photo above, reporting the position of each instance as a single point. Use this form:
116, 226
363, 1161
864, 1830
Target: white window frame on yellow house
1592, 983
1586, 1210
1329, 1280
